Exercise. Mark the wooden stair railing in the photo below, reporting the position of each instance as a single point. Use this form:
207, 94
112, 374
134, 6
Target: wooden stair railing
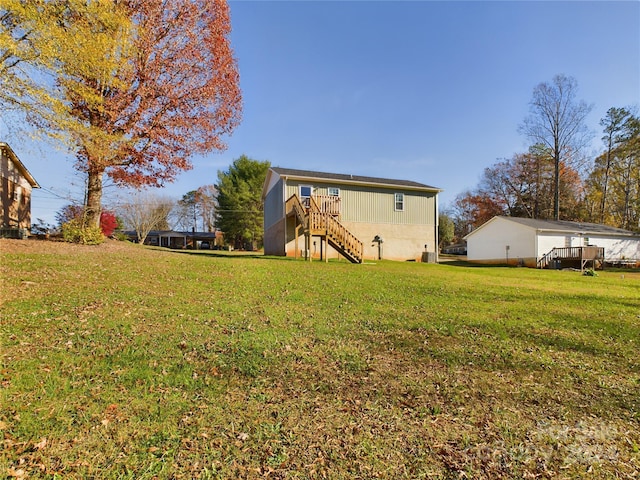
344, 241
293, 204
545, 260
338, 236
317, 222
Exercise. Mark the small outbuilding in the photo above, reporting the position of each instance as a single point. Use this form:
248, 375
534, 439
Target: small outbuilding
550, 243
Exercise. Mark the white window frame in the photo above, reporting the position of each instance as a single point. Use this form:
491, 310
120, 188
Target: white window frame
333, 191
310, 187
398, 198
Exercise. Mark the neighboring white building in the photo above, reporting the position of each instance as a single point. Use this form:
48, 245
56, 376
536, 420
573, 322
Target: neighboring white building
526, 241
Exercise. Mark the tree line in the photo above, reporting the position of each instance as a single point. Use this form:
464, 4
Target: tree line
554, 179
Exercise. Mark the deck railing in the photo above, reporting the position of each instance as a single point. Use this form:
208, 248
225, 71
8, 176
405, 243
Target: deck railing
329, 204
583, 254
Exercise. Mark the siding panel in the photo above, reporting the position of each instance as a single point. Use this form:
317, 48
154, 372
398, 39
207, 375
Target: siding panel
273, 205
376, 205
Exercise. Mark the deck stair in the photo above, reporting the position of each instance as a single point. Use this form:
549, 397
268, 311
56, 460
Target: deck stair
324, 223
578, 255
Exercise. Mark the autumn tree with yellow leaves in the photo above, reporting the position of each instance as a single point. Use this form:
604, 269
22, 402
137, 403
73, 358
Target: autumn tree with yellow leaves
136, 87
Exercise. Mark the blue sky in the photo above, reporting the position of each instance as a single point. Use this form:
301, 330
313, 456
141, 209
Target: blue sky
417, 90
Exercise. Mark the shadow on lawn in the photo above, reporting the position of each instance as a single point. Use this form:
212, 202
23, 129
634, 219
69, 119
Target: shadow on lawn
238, 254
464, 263
219, 253
234, 255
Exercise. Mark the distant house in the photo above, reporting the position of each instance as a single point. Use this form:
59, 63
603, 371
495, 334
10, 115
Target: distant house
167, 238
15, 193
455, 249
329, 215
549, 243
178, 240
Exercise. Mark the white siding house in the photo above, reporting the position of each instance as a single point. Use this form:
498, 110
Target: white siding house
526, 241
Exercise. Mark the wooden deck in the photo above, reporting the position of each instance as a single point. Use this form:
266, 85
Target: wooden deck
579, 255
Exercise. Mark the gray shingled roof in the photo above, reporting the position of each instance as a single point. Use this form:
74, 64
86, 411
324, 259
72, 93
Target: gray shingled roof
566, 226
339, 177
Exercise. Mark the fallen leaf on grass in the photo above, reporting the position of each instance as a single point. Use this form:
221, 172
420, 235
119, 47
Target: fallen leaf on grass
41, 444
19, 473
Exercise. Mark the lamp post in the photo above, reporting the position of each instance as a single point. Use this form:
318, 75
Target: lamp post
378, 239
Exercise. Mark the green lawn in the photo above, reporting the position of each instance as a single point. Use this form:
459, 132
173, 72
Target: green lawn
133, 362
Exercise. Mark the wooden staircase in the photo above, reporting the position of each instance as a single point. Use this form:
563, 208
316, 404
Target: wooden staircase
578, 255
323, 223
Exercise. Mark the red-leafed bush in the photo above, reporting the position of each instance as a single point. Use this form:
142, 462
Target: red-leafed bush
108, 223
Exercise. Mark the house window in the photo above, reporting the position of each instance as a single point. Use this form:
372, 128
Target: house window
399, 202
305, 191
334, 191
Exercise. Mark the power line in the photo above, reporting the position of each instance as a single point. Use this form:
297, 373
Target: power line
68, 197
